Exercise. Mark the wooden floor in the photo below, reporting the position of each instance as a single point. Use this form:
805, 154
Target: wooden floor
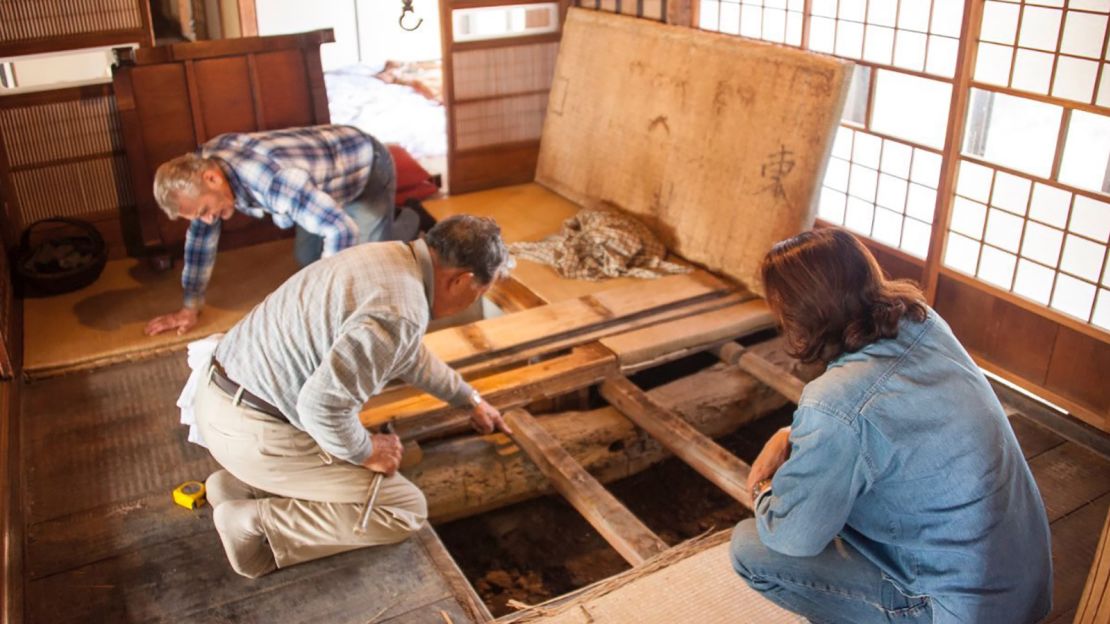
101, 531
103, 542
1074, 481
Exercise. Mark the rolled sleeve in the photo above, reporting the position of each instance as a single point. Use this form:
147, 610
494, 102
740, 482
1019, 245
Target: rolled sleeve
812, 494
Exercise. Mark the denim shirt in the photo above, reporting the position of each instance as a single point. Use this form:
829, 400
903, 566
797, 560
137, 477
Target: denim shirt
902, 450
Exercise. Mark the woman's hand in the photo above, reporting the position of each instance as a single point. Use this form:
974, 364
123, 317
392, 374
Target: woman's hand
774, 454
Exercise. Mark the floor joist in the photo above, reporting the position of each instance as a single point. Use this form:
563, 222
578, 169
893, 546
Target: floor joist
623, 530
704, 455
783, 381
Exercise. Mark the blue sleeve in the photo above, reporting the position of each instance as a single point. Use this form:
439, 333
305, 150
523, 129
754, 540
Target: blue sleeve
813, 493
201, 243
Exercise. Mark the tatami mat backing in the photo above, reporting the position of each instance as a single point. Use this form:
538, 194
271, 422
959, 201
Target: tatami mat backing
104, 322
702, 588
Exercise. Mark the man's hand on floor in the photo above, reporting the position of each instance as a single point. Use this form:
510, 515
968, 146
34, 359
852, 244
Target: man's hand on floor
183, 320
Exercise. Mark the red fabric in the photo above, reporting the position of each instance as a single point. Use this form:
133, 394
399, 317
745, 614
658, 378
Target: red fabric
412, 180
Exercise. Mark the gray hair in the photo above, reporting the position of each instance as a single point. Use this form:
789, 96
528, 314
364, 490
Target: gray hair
471, 243
176, 176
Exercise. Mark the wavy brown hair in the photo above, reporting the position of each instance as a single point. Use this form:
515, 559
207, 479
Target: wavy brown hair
831, 296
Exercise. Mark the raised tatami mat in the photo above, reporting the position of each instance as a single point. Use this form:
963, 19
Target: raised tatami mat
103, 323
701, 587
526, 213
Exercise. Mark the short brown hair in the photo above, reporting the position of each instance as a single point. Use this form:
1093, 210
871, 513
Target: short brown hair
831, 296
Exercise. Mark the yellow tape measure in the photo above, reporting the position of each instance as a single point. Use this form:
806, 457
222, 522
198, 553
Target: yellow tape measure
189, 495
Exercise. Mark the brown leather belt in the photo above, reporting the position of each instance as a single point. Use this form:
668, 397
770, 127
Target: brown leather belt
246, 398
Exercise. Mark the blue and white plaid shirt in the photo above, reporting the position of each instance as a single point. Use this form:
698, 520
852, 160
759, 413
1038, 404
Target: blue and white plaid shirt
300, 176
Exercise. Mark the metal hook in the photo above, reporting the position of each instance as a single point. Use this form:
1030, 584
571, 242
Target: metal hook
406, 8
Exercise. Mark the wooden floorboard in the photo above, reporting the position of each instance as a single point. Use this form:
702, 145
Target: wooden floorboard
105, 543
1070, 476
1074, 539
1034, 438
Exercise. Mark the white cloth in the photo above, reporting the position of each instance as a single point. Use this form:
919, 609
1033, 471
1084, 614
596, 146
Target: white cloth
199, 358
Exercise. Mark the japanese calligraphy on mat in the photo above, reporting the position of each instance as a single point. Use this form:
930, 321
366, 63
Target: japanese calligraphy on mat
719, 143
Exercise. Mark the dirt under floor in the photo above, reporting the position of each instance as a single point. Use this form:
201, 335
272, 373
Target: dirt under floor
540, 549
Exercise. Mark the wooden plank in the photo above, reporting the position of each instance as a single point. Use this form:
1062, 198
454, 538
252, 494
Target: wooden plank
461, 346
74, 540
624, 531
655, 344
1094, 605
782, 380
426, 416
489, 167
687, 443
189, 579
12, 559
512, 296
556, 343
1070, 476
1033, 438
1074, 541
464, 594
1078, 369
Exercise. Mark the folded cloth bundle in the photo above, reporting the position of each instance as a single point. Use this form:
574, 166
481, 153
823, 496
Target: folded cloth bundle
200, 360
599, 243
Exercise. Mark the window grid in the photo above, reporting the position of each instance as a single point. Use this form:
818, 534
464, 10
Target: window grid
1065, 229
776, 21
890, 181
845, 28
992, 44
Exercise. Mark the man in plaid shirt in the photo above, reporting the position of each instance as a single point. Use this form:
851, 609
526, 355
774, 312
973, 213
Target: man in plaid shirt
336, 184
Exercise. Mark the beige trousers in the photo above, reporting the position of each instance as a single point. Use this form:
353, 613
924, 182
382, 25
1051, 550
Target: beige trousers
315, 499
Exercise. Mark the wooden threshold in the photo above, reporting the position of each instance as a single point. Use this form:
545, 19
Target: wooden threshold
704, 455
623, 530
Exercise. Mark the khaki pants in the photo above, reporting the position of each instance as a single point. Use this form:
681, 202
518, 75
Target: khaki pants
315, 499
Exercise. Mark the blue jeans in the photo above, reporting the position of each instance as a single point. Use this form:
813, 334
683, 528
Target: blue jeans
838, 585
373, 212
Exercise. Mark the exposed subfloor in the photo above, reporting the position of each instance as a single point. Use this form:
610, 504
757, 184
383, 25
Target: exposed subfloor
102, 452
539, 549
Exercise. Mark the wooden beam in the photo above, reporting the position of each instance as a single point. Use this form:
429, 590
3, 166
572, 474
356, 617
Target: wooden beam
426, 417
560, 341
624, 531
783, 381
548, 327
656, 344
687, 443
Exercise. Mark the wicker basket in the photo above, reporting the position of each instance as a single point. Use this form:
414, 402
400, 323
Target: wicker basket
67, 259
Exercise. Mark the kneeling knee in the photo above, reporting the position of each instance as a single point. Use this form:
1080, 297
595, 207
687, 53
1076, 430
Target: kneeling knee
744, 548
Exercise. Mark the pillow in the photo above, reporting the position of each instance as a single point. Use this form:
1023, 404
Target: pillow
413, 181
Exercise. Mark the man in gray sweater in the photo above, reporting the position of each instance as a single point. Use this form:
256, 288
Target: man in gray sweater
280, 411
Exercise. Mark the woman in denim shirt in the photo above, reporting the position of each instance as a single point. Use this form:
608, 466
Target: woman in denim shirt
899, 493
